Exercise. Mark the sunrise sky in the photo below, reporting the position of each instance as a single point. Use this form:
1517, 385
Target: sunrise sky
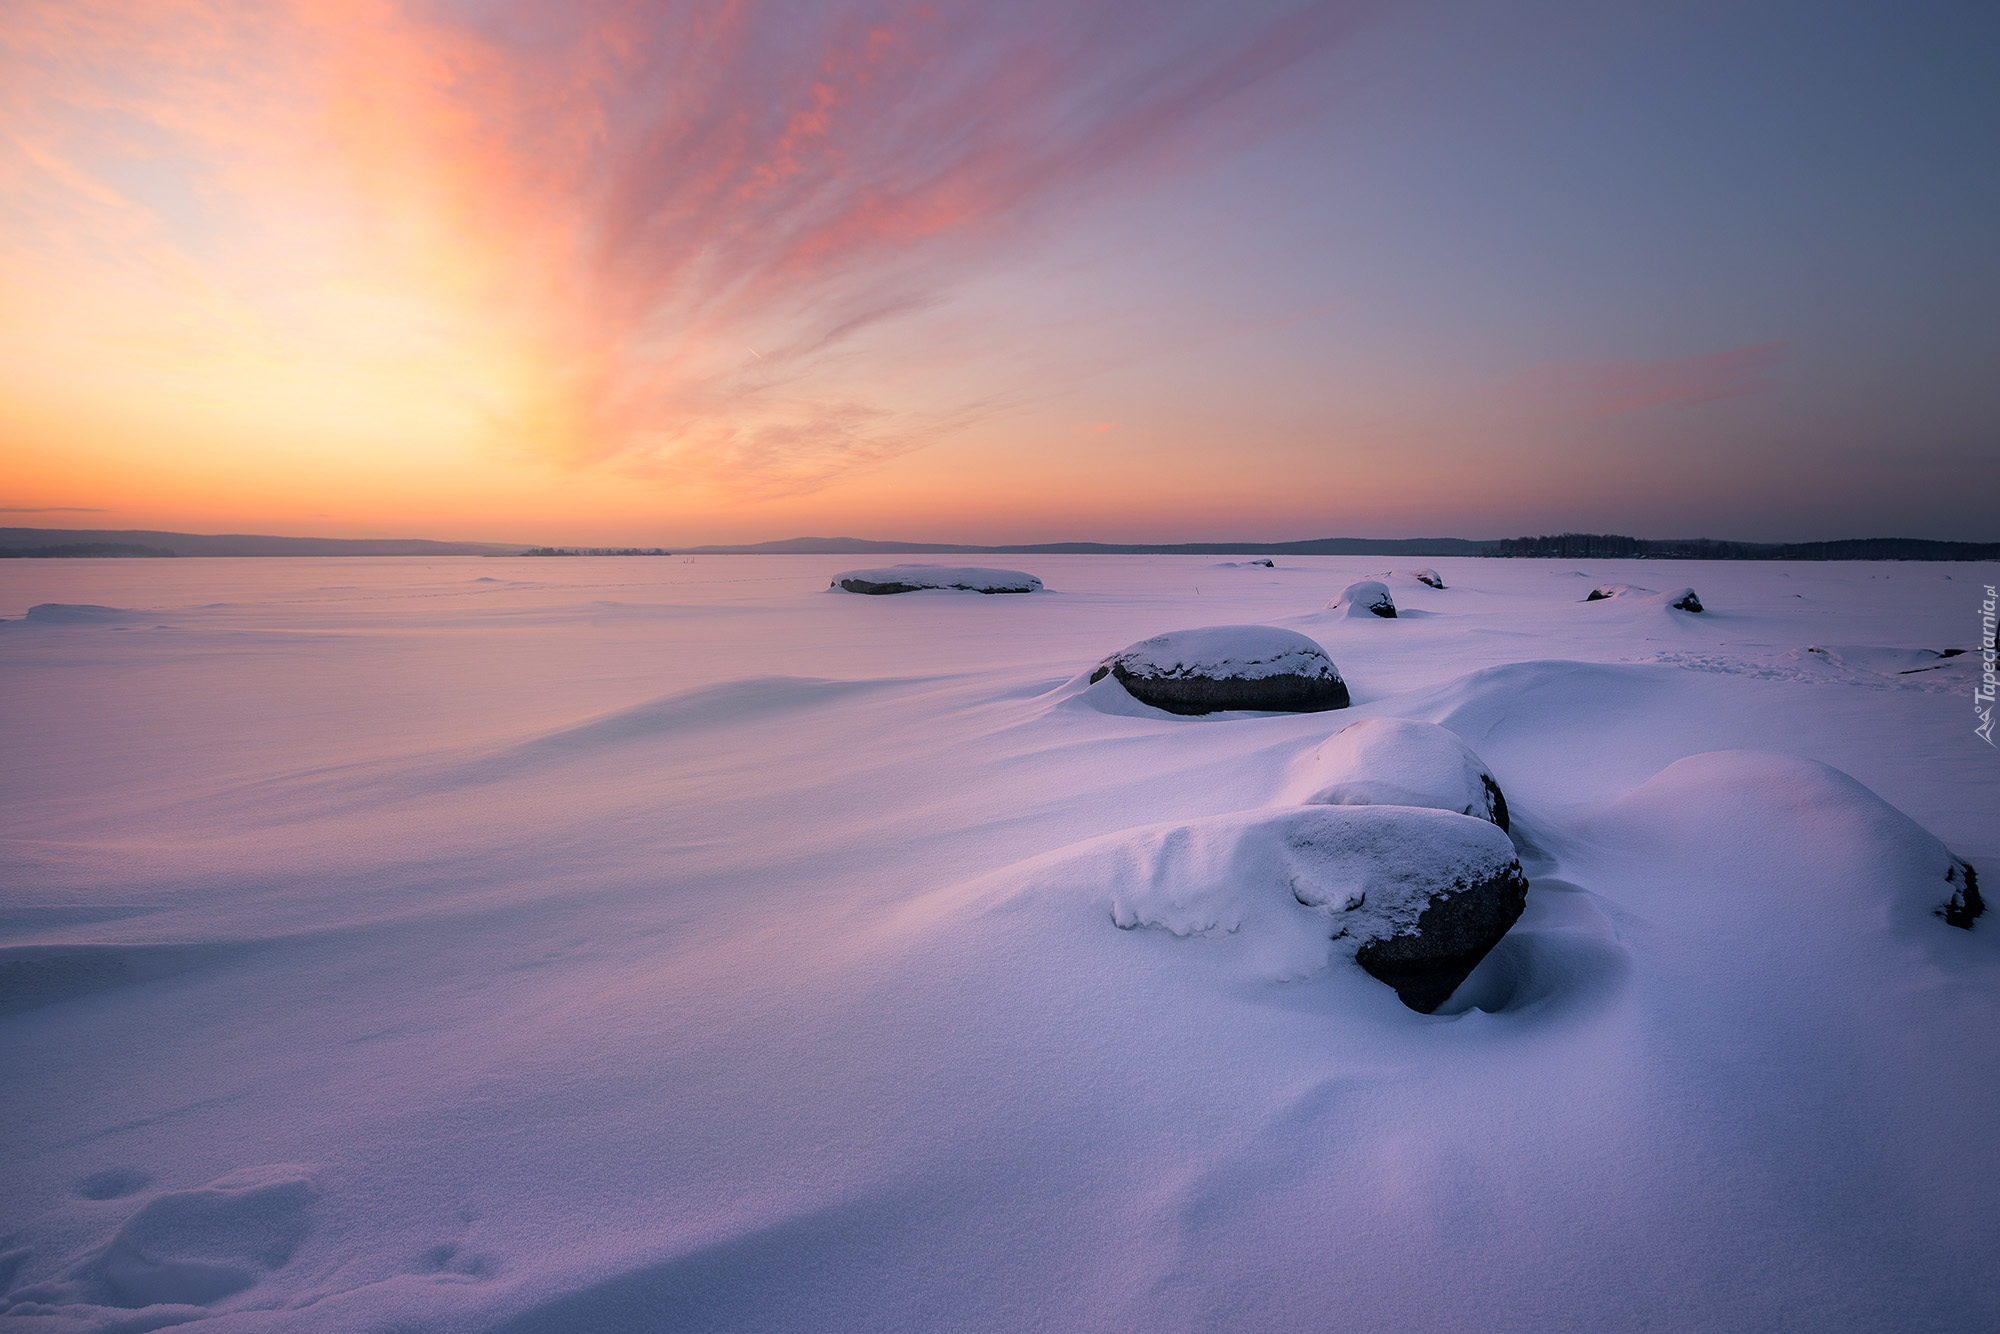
607, 271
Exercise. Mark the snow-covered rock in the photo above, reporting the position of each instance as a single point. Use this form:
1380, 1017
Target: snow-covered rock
916, 578
1401, 762
1365, 597
1680, 599
77, 613
1263, 564
1422, 575
1222, 667
1415, 897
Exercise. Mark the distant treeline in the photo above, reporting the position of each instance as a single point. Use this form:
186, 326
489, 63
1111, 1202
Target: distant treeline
81, 549
1613, 546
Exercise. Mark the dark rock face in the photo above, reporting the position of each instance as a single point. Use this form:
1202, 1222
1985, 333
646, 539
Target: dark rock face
1965, 903
1190, 695
1454, 933
1598, 595
1687, 601
868, 586
1496, 801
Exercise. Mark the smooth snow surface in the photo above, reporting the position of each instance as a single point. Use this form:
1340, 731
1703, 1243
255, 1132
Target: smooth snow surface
633, 944
1399, 762
940, 578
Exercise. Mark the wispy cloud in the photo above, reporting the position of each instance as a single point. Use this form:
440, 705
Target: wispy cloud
681, 238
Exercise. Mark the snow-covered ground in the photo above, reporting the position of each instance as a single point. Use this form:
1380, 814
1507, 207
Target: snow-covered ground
608, 944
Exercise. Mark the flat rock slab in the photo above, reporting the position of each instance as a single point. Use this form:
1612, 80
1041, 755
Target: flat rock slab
1223, 667
952, 578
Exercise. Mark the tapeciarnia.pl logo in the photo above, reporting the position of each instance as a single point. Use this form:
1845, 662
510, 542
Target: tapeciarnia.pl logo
1982, 693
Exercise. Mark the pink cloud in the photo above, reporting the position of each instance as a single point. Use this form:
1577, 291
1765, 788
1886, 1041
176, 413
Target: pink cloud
633, 193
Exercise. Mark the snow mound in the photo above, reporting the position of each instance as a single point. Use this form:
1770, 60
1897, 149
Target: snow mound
1422, 575
1265, 564
78, 613
1808, 837
1366, 597
1222, 667
1401, 762
1414, 897
955, 578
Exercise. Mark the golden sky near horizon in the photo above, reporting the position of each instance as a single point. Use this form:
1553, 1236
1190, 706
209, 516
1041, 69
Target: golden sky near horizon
614, 271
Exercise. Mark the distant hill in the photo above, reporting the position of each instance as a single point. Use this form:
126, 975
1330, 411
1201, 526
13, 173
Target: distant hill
59, 542
1613, 546
1325, 546
1564, 546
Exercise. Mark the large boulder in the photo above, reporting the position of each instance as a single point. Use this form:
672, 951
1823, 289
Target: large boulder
1224, 667
1401, 762
1415, 897
917, 578
1366, 597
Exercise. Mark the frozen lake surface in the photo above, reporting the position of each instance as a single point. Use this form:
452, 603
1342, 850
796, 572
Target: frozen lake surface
618, 944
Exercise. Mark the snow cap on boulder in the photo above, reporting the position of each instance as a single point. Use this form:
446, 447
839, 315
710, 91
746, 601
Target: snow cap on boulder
916, 578
1401, 762
1422, 575
1222, 667
1366, 597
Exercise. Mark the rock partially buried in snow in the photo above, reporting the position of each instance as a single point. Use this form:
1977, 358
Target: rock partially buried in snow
1367, 597
1425, 575
1221, 667
1401, 762
1965, 902
1684, 600
1681, 599
917, 578
1415, 897
1800, 819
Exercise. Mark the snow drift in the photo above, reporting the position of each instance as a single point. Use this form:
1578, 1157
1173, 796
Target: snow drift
1401, 762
